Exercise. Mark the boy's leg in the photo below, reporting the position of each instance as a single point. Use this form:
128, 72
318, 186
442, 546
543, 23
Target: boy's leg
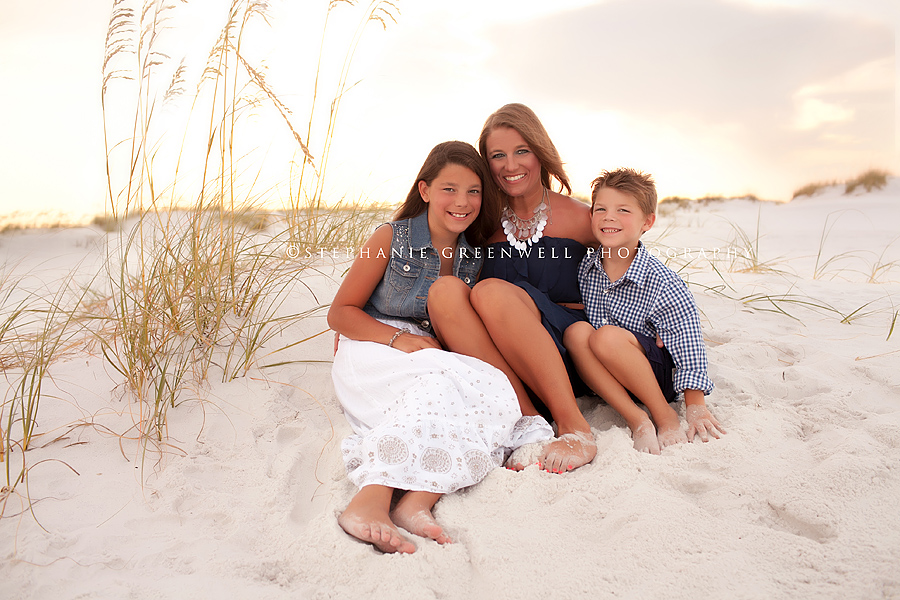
413, 513
624, 357
459, 328
367, 518
577, 341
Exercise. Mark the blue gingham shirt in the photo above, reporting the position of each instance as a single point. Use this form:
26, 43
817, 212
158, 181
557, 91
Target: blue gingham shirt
651, 299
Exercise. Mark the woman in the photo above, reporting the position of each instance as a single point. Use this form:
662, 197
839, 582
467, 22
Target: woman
528, 294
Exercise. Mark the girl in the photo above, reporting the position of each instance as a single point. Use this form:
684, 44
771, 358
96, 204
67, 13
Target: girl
425, 421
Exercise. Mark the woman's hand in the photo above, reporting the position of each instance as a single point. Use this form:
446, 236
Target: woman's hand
410, 342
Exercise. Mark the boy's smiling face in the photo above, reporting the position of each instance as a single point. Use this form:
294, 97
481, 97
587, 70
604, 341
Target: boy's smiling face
617, 221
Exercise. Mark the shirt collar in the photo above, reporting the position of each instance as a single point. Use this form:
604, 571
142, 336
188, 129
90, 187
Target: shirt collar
637, 270
420, 235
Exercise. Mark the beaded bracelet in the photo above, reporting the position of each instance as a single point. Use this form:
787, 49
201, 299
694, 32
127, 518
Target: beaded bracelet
397, 334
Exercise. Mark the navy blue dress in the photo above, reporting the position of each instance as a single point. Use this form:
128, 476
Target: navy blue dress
548, 272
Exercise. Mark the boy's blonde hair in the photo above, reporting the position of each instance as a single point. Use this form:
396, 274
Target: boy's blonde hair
628, 181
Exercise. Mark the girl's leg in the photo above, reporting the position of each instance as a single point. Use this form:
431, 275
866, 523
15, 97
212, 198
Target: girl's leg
514, 324
367, 518
624, 358
413, 513
577, 341
459, 328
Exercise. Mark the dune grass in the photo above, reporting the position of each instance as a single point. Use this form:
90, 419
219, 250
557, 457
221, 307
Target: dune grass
873, 179
200, 289
197, 284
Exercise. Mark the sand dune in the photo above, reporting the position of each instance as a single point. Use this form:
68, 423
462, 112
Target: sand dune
798, 500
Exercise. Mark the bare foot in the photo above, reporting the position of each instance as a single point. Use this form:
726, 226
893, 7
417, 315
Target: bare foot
568, 452
527, 454
644, 436
373, 525
669, 432
413, 513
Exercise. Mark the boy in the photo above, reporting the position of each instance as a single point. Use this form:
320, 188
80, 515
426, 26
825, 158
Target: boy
632, 299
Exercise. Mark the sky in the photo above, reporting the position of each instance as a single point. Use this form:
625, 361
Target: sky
713, 97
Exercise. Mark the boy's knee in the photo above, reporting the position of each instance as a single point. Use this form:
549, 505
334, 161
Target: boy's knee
609, 339
576, 335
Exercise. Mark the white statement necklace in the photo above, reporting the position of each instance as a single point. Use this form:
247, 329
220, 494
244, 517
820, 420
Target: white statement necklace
522, 233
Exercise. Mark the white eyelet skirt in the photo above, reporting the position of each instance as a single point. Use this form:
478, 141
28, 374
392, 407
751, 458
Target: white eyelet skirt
429, 420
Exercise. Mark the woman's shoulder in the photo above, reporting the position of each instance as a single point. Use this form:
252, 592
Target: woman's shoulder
571, 218
569, 203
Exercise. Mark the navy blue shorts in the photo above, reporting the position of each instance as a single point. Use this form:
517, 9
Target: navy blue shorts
662, 364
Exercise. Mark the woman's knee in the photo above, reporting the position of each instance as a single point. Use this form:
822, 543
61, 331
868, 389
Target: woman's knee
492, 294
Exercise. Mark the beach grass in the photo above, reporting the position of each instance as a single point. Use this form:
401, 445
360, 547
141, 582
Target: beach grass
198, 280
202, 287
872, 179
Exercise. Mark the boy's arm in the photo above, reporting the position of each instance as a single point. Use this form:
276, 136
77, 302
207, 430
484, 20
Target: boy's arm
677, 323
679, 327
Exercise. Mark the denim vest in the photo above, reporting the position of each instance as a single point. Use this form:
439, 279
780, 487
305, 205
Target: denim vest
414, 265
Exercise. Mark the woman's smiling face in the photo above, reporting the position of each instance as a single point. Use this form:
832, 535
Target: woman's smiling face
515, 166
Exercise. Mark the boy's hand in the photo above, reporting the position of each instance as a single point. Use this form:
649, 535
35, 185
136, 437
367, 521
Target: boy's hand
701, 422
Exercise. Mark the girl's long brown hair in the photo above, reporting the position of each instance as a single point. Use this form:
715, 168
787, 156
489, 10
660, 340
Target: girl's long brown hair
464, 155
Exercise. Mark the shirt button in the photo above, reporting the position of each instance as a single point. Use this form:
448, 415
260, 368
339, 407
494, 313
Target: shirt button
606, 291
426, 324
406, 267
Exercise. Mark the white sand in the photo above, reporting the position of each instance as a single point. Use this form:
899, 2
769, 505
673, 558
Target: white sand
798, 500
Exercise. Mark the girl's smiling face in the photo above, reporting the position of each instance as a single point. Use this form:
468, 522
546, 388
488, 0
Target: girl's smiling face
453, 198
617, 220
515, 166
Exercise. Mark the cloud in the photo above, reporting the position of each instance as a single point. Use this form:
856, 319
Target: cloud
700, 56
789, 91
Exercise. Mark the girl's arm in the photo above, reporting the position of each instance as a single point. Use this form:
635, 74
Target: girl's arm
346, 315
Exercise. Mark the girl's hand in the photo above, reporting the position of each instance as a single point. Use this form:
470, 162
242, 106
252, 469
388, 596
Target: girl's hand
410, 342
701, 422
